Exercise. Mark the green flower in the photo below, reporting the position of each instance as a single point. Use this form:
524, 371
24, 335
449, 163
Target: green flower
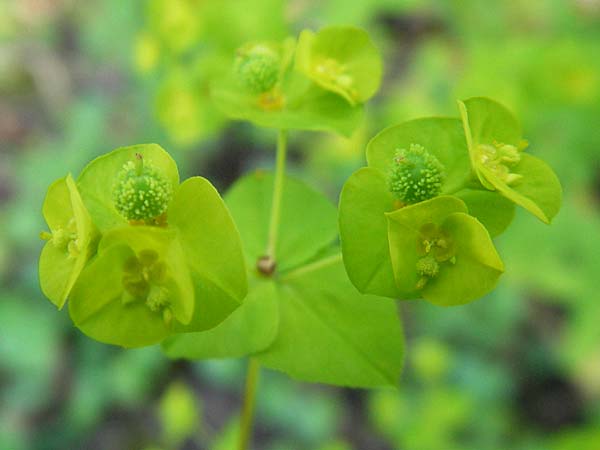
135, 288
173, 264
71, 240
440, 253
496, 152
398, 184
343, 60
129, 184
422, 157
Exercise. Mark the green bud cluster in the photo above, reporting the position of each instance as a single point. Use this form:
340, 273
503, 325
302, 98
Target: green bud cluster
416, 175
499, 158
257, 68
141, 193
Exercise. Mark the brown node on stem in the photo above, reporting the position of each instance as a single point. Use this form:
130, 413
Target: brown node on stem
266, 265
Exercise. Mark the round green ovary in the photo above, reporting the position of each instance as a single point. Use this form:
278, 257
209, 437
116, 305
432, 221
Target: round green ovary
140, 191
416, 175
499, 158
143, 280
257, 69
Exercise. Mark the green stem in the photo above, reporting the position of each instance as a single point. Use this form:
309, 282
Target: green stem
247, 417
277, 191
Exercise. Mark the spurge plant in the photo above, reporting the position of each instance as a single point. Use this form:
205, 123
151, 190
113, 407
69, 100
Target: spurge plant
141, 258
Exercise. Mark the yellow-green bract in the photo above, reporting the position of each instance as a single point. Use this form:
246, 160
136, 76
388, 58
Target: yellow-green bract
71, 240
183, 271
340, 59
496, 149
441, 230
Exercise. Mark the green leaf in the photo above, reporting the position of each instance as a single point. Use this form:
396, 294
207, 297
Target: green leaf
134, 289
97, 179
212, 248
492, 210
535, 186
343, 60
330, 333
404, 227
307, 223
72, 240
441, 137
299, 104
249, 329
539, 191
364, 200
307, 319
476, 270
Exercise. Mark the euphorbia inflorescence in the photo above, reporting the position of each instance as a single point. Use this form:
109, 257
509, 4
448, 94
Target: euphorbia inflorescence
128, 281
416, 175
419, 221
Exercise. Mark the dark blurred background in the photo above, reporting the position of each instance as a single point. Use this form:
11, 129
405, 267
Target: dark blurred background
519, 369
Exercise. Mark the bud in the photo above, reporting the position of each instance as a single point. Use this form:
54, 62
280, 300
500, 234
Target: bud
416, 175
140, 191
257, 68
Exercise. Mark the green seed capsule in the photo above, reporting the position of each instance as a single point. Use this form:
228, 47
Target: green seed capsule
257, 68
416, 175
141, 193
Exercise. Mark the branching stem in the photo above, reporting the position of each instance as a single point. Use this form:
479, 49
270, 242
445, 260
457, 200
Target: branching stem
247, 416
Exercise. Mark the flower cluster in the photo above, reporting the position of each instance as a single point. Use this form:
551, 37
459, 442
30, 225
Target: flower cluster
123, 249
419, 221
317, 82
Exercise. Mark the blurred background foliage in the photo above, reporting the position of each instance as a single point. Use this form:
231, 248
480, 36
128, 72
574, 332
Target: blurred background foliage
518, 370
